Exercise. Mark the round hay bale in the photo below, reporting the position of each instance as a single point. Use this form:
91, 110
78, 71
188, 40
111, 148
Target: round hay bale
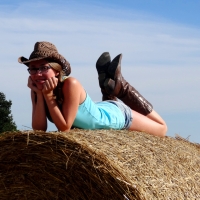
100, 164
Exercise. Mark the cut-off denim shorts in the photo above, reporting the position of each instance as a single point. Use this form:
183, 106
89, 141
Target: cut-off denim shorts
126, 110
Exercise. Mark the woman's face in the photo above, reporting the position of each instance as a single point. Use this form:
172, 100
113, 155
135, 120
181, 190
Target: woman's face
43, 72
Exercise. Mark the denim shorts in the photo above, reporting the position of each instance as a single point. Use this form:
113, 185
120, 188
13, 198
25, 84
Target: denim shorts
127, 112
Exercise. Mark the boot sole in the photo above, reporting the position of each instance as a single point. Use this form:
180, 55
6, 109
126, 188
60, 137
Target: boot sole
116, 63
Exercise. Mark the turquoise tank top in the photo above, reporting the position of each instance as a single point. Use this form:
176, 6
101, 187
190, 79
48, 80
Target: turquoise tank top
98, 115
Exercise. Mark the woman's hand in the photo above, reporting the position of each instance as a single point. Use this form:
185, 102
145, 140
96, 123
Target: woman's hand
32, 85
49, 85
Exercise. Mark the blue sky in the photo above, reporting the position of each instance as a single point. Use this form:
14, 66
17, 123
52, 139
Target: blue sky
159, 40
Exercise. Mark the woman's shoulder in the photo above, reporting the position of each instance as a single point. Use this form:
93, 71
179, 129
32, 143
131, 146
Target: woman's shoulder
71, 82
73, 86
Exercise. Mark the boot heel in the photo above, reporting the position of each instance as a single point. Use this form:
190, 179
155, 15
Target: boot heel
109, 85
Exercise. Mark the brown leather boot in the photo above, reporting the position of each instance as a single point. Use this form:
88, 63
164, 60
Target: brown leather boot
116, 85
102, 65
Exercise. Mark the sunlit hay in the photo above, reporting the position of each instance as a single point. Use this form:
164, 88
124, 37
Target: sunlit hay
100, 164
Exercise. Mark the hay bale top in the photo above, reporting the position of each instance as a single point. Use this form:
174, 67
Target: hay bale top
100, 164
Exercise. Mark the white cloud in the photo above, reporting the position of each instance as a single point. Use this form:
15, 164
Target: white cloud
160, 59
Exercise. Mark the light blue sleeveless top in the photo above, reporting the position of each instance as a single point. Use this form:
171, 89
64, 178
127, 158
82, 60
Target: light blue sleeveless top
99, 115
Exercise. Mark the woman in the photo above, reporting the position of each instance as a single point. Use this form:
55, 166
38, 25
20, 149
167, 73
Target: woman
65, 102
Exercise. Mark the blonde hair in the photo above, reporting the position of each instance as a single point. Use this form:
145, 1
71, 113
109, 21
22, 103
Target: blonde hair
58, 68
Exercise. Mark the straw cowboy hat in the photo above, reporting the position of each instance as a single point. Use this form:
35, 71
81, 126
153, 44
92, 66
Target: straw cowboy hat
46, 50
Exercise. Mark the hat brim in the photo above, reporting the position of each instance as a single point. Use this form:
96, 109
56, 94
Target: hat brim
26, 61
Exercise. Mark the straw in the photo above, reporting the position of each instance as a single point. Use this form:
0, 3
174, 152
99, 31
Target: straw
100, 164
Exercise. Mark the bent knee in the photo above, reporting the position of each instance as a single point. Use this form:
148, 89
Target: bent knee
164, 130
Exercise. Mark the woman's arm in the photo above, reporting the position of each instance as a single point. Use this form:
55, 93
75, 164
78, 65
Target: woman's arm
39, 121
73, 94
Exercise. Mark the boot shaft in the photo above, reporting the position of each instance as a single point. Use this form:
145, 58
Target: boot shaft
119, 87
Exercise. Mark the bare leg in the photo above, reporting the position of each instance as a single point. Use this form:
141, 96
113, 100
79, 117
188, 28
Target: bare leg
152, 123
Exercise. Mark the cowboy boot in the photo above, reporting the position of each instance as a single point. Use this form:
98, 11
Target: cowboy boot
102, 65
116, 85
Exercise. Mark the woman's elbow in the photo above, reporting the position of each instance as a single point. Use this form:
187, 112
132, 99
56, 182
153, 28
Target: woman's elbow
39, 125
64, 128
36, 128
